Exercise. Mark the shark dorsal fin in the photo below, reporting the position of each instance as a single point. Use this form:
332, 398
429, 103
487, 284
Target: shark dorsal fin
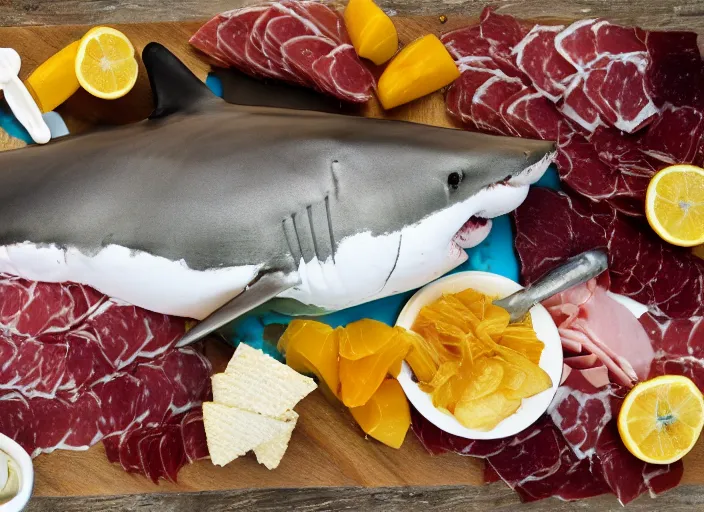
174, 86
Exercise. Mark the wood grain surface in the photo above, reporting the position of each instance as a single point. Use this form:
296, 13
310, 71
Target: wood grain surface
329, 465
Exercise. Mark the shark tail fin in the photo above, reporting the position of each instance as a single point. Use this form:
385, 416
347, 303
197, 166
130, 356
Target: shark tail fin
174, 86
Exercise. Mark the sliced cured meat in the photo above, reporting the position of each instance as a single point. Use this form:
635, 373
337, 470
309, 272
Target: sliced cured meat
461, 93
675, 64
552, 226
33, 369
586, 417
194, 441
487, 102
577, 107
466, 42
589, 169
608, 330
612, 61
529, 114
618, 89
538, 58
538, 464
300, 53
328, 21
233, 35
503, 33
278, 31
343, 75
675, 136
206, 40
255, 50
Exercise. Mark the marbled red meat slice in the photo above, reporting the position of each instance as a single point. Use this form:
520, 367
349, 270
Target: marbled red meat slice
120, 396
675, 337
487, 102
587, 418
537, 57
172, 455
675, 65
503, 32
279, 31
35, 309
538, 463
34, 369
575, 105
254, 49
562, 226
466, 42
601, 170
437, 441
189, 373
676, 136
344, 76
193, 430
300, 53
612, 61
529, 114
85, 364
149, 455
460, 94
233, 35
206, 40
327, 20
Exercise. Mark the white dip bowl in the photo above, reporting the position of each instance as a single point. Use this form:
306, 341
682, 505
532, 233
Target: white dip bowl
26, 474
550, 360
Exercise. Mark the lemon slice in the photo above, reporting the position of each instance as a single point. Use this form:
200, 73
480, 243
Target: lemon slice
105, 63
674, 205
661, 419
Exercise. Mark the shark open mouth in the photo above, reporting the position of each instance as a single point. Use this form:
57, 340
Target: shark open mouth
472, 233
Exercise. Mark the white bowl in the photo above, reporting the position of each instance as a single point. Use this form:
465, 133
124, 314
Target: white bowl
26, 470
550, 360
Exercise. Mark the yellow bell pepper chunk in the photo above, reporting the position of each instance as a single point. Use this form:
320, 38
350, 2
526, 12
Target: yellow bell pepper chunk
386, 416
372, 32
422, 67
54, 81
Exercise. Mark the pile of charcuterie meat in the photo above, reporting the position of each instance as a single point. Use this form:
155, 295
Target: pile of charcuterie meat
622, 103
301, 42
77, 368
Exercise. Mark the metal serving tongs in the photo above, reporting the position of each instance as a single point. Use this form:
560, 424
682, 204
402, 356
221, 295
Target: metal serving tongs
576, 270
18, 98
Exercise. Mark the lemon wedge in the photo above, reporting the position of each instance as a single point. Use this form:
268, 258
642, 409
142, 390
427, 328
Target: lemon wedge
661, 419
674, 205
105, 63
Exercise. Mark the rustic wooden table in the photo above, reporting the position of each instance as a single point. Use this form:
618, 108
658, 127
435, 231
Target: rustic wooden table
670, 14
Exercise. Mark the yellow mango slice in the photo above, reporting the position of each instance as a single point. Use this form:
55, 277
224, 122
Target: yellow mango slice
386, 416
422, 67
536, 381
422, 359
364, 338
360, 378
313, 347
372, 32
486, 412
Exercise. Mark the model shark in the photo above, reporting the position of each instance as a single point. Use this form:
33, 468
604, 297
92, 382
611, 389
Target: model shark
209, 209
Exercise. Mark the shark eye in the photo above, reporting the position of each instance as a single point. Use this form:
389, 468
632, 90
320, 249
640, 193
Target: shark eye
454, 179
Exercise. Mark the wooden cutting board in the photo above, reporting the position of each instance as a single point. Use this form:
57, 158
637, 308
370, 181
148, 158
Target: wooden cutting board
327, 448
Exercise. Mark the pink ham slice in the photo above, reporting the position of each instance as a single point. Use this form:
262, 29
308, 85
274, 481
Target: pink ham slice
609, 329
537, 57
344, 76
300, 53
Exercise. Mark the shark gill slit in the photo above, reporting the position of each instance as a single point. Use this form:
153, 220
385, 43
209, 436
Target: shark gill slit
289, 242
333, 249
298, 236
398, 255
309, 209
333, 171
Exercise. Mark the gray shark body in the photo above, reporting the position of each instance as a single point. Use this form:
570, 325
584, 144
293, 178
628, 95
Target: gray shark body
181, 213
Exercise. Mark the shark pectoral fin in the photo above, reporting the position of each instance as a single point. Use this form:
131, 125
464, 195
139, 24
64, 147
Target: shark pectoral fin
262, 289
174, 86
241, 89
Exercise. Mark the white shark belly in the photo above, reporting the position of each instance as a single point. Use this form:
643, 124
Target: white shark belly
139, 278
